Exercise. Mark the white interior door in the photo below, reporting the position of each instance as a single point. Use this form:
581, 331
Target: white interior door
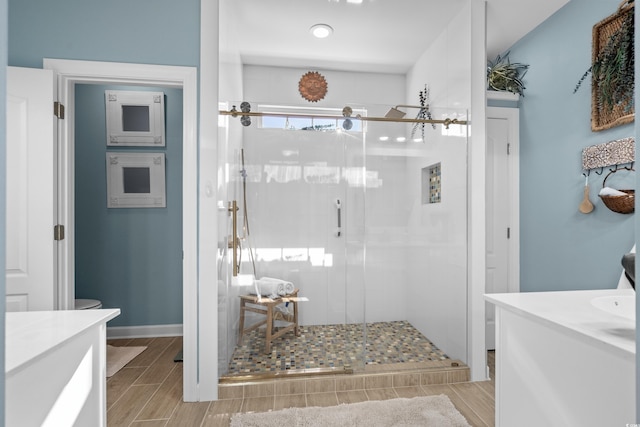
30, 190
501, 226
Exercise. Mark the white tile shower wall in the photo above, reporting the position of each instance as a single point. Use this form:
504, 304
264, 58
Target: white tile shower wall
437, 276
437, 258
292, 216
312, 223
445, 66
386, 278
279, 85
230, 60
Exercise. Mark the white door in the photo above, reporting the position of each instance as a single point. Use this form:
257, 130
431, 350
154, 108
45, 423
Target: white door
30, 190
501, 227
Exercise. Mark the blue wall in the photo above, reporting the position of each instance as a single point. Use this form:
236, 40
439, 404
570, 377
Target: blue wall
145, 31
141, 31
127, 258
561, 248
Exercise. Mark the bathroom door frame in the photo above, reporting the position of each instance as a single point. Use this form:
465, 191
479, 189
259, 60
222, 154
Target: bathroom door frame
509, 202
68, 73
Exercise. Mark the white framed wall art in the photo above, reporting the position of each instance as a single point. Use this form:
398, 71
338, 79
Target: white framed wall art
136, 180
135, 118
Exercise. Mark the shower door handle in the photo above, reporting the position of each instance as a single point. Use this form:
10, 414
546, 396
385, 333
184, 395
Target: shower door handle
339, 207
234, 243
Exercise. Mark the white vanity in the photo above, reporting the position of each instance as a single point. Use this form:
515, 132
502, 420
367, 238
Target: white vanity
565, 358
55, 368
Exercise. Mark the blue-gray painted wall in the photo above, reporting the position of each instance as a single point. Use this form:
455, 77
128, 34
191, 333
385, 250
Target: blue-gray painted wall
561, 248
142, 31
3, 184
127, 258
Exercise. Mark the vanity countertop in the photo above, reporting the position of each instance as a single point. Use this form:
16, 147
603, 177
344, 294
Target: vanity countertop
32, 334
572, 312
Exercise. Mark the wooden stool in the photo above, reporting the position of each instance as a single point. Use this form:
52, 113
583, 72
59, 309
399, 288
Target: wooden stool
268, 305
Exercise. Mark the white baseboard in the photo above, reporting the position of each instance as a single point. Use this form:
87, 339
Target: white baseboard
147, 331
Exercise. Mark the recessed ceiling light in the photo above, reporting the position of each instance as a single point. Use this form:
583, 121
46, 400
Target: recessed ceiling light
384, 138
321, 30
354, 1
401, 139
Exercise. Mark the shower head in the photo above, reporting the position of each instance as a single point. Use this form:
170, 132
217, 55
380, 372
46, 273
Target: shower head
394, 113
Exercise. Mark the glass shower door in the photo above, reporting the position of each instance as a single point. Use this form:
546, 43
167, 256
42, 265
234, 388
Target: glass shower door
416, 238
299, 185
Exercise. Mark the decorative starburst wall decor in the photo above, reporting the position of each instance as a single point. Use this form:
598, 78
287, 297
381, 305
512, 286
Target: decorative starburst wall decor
313, 86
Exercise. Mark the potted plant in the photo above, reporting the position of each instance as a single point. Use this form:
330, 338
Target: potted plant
504, 75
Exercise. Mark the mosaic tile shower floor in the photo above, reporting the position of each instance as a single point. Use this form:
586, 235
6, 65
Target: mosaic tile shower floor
334, 346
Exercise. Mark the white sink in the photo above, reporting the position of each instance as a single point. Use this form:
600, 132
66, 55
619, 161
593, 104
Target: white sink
624, 305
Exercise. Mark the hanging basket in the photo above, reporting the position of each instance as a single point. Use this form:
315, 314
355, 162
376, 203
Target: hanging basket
620, 204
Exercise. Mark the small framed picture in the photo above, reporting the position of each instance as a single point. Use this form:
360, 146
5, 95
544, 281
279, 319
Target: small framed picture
136, 180
135, 118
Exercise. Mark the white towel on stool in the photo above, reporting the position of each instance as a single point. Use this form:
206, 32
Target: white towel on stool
273, 288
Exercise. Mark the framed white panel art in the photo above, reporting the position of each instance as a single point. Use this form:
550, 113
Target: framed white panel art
135, 118
136, 180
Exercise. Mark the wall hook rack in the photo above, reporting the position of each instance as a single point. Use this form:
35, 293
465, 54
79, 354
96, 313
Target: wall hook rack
612, 153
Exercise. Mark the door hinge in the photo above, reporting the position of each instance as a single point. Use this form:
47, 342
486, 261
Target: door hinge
58, 232
58, 110
508, 232
508, 149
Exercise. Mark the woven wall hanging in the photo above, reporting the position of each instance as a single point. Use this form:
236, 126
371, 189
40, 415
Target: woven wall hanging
612, 105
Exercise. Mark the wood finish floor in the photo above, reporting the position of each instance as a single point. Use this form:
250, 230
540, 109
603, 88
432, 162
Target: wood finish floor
148, 393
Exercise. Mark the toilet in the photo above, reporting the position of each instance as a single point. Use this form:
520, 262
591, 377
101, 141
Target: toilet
88, 304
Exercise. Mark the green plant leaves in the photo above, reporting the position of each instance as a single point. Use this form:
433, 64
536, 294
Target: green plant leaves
504, 75
613, 69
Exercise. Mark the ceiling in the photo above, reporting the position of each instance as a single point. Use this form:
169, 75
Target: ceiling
373, 35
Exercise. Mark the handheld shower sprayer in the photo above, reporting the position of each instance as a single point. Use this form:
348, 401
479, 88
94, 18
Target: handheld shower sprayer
245, 225
243, 171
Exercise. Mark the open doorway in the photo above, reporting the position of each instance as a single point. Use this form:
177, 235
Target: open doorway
128, 247
70, 73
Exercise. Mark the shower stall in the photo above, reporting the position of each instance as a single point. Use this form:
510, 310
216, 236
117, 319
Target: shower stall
365, 215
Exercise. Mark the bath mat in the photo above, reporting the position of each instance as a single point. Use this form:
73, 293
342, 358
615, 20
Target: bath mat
118, 357
418, 411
